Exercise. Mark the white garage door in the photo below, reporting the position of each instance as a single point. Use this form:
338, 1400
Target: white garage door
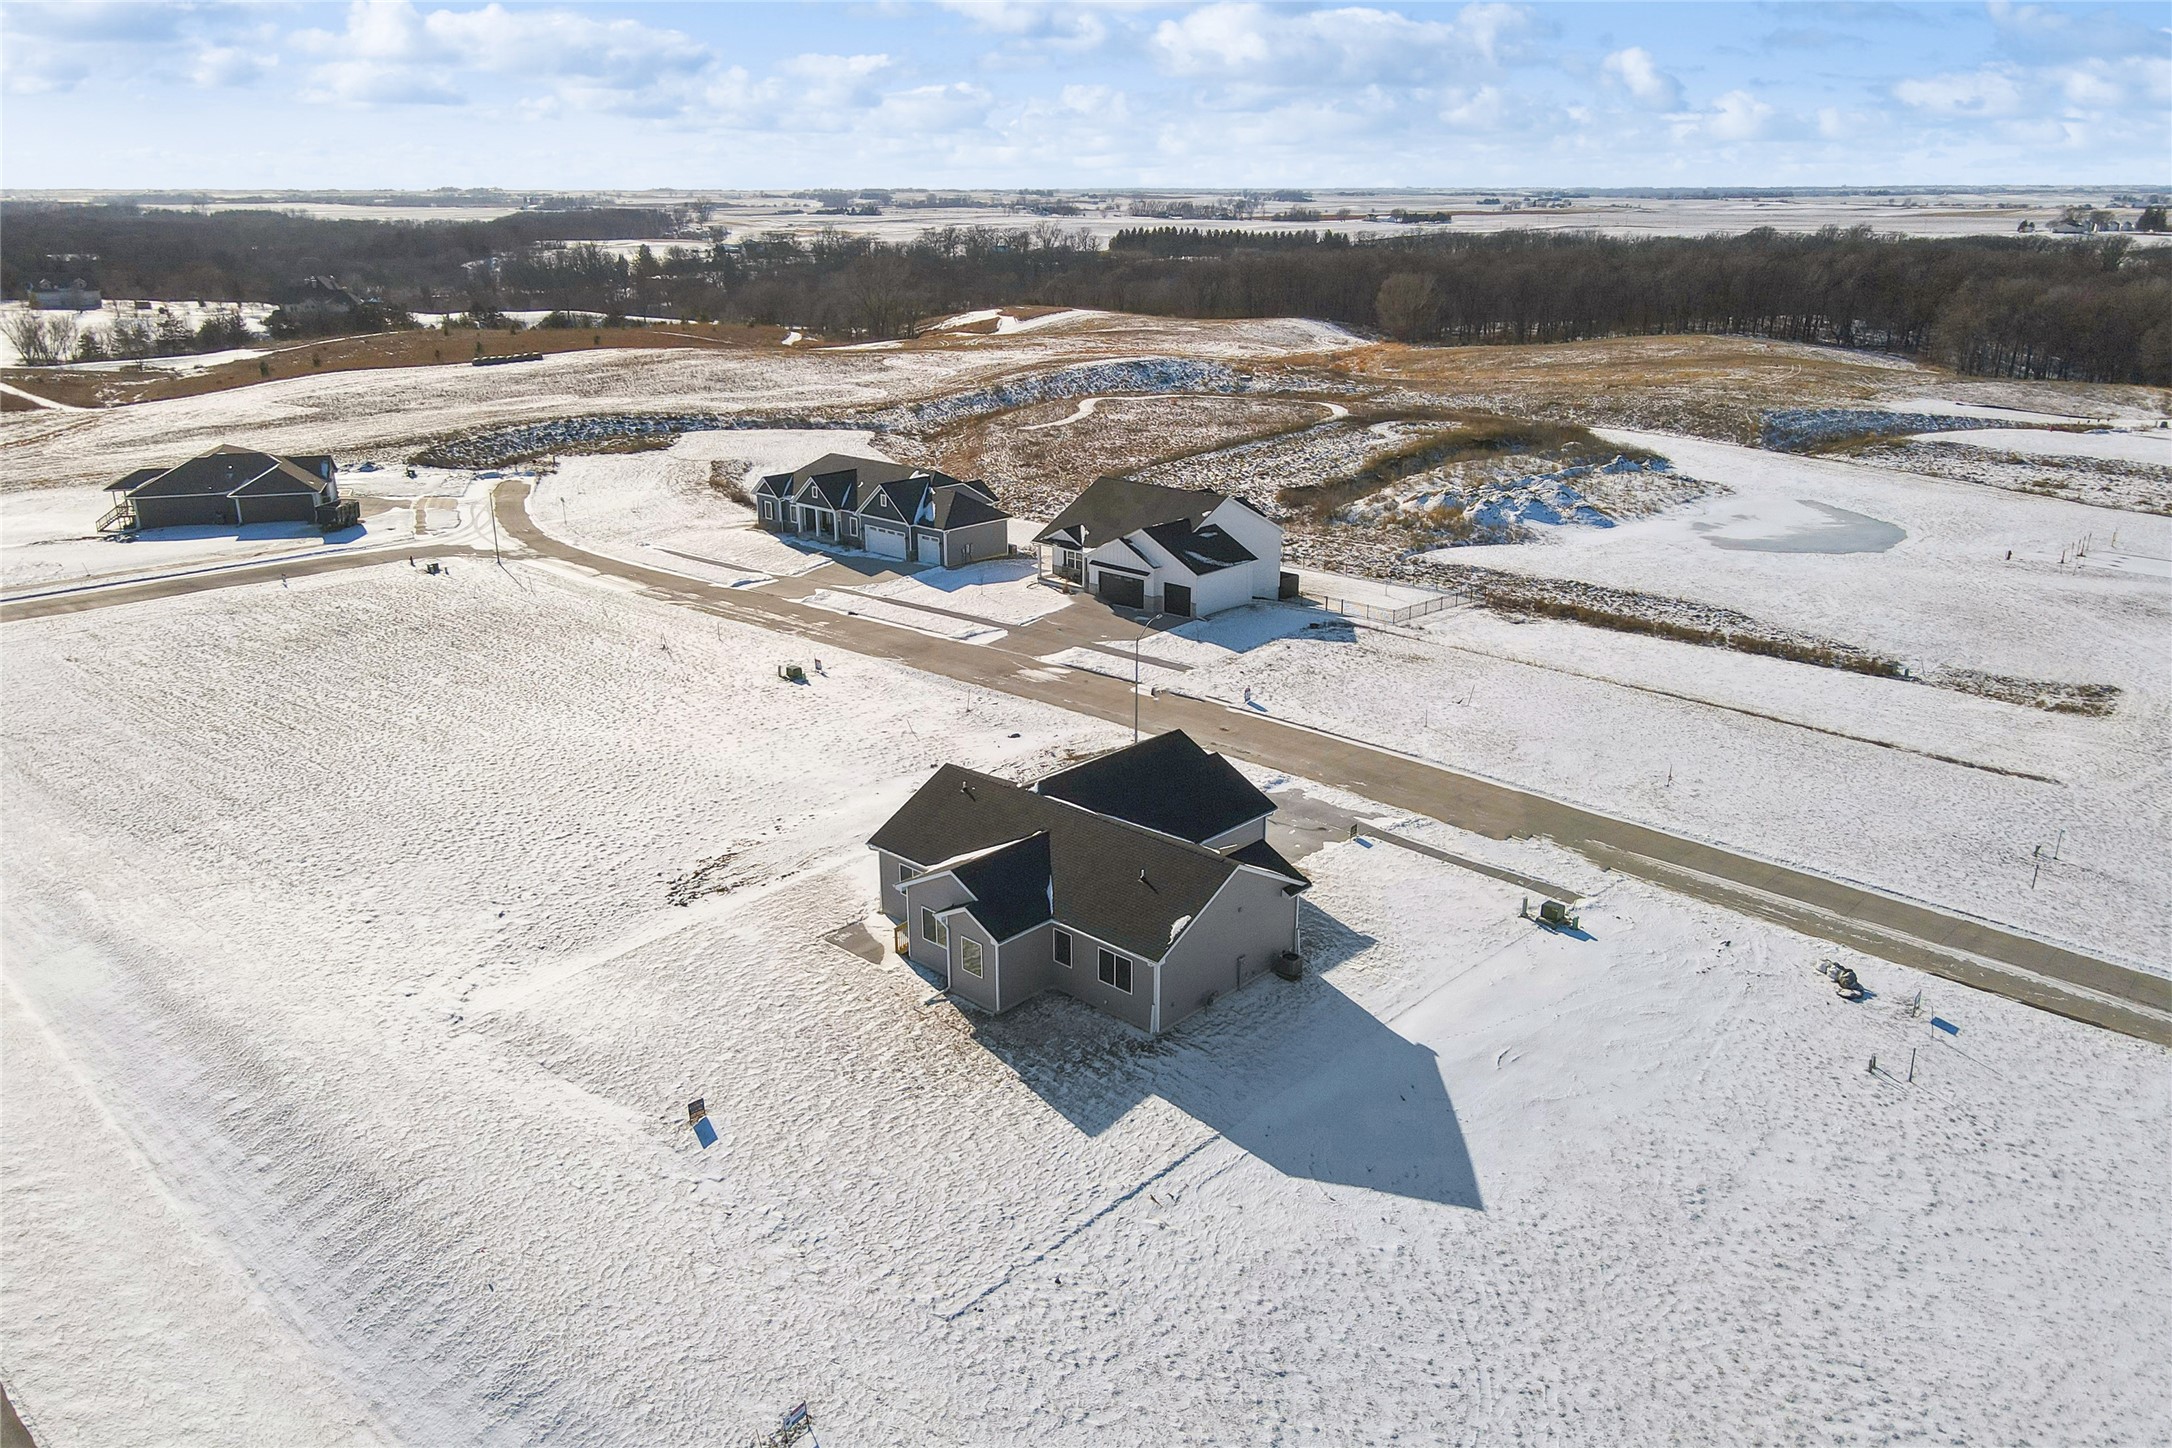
931, 548
889, 542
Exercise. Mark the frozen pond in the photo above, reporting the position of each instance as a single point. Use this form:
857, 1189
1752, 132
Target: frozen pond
1837, 531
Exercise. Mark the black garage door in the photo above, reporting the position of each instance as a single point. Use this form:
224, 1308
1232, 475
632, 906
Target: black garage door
1176, 598
1122, 589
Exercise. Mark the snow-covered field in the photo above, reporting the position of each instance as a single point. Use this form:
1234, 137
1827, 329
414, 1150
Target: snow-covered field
360, 1033
48, 537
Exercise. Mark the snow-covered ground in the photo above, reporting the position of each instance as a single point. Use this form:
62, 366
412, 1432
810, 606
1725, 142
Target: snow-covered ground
48, 537
2152, 448
361, 1033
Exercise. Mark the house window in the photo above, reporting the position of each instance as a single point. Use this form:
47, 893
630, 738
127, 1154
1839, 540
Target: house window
905, 872
1063, 947
1116, 971
969, 957
932, 928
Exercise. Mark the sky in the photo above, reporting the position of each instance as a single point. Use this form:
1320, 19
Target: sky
391, 93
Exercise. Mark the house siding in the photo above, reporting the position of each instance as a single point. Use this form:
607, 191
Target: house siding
1136, 1009
983, 992
1235, 939
1028, 966
274, 508
1224, 588
893, 898
199, 510
1261, 537
974, 543
937, 893
1239, 837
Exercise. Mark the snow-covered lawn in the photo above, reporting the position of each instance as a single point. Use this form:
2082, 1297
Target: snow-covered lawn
1002, 591
1842, 773
2151, 447
48, 537
1945, 594
362, 1032
941, 626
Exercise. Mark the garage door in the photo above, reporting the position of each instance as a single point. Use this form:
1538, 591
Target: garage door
889, 542
1176, 598
931, 548
1122, 589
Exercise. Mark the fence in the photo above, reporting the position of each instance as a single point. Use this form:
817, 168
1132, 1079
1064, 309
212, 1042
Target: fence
1375, 613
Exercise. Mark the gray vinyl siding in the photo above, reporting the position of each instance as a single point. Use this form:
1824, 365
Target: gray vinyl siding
893, 899
1239, 837
1136, 1009
1247, 924
938, 894
1028, 968
980, 992
196, 510
976, 543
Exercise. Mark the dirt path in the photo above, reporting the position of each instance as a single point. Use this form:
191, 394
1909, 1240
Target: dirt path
1974, 952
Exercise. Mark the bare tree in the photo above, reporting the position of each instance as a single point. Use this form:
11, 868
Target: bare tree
40, 340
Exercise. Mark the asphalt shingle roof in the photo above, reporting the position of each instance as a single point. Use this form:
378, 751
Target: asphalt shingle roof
1112, 507
1204, 550
1112, 880
1167, 783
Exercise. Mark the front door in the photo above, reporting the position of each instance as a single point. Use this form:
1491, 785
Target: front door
1176, 598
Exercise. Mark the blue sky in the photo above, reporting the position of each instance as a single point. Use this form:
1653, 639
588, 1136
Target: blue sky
1015, 93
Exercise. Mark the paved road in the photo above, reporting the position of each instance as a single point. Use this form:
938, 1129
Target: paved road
79, 598
2042, 974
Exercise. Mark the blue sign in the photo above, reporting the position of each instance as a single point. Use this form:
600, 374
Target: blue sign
704, 1132
1947, 1026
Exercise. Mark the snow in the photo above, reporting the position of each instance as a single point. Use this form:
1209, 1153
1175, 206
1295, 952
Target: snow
1007, 323
393, 1147
1002, 591
2152, 448
1841, 773
48, 538
900, 616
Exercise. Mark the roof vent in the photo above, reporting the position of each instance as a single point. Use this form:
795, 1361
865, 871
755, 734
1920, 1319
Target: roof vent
967, 791
1146, 882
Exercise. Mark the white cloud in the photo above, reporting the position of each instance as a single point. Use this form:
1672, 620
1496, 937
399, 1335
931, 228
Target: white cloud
1737, 116
390, 52
1636, 72
228, 65
1245, 42
933, 109
1069, 27
1991, 91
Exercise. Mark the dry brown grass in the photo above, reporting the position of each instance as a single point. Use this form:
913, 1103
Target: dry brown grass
426, 347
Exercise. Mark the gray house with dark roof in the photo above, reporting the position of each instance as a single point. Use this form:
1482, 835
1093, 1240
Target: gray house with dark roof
886, 508
230, 487
1186, 551
1140, 882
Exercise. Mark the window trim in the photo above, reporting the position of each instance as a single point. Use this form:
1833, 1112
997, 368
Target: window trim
906, 870
970, 957
1060, 947
932, 927
1109, 965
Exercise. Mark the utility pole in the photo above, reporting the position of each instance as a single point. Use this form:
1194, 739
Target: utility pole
494, 553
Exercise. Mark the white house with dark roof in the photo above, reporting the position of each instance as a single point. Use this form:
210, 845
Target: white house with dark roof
1186, 551
886, 508
1140, 882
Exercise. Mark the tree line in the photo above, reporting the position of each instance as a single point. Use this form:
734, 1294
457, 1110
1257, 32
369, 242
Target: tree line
2089, 309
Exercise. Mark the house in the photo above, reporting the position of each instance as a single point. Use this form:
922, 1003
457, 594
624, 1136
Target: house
1140, 882
886, 508
1186, 551
75, 296
317, 297
228, 487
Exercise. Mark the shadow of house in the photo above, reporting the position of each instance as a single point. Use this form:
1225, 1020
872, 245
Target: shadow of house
1295, 1073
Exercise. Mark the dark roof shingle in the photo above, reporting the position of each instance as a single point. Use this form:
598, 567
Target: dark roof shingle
1167, 783
1112, 507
